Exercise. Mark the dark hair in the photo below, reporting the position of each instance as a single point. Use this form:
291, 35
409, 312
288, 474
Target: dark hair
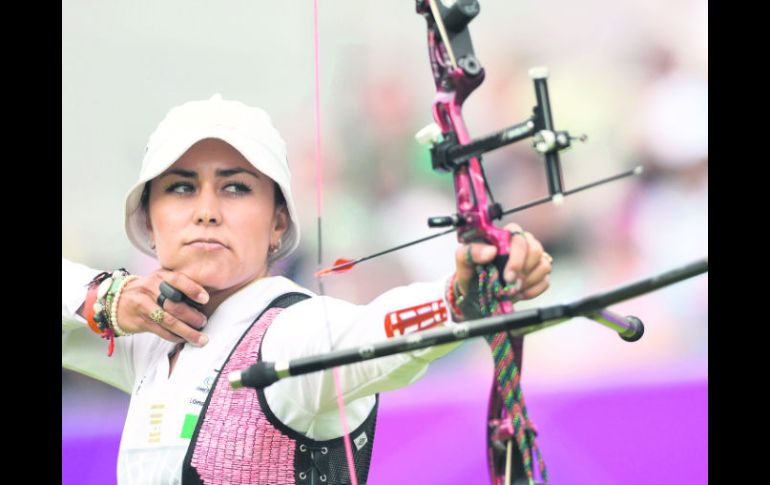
278, 197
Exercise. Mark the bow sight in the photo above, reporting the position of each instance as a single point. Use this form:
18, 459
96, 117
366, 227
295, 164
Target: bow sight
457, 70
447, 154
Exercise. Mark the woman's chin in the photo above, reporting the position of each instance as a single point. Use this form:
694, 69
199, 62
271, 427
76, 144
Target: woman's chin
214, 276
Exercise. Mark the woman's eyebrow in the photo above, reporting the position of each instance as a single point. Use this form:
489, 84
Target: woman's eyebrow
182, 173
229, 172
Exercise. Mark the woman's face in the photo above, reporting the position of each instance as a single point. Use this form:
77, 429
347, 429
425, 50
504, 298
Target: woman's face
212, 216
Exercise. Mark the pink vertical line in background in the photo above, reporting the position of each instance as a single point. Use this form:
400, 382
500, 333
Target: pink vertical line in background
335, 371
318, 174
345, 433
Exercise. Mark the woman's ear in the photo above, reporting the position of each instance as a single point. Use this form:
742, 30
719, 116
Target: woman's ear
148, 225
280, 221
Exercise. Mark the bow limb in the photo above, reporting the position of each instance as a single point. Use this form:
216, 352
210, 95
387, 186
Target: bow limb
457, 73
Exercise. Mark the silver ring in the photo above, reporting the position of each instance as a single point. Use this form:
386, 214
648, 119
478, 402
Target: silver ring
161, 300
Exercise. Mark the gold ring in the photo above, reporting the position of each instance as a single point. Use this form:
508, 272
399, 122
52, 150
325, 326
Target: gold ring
157, 316
548, 257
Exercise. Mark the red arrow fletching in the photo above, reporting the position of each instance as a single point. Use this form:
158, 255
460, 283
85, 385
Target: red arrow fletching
340, 266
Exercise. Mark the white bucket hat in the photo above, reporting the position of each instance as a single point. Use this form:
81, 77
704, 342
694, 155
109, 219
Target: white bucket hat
248, 129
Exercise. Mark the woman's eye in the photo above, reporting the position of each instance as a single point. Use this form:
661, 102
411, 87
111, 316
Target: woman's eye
180, 188
237, 187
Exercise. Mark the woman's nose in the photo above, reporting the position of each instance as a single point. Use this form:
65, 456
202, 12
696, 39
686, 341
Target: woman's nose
208, 212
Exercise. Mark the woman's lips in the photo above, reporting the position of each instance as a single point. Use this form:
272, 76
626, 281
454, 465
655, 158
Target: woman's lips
207, 245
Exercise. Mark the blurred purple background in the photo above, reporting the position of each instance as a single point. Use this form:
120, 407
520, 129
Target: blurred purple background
434, 432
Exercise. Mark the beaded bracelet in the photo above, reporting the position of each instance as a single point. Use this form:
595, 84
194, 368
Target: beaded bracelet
119, 332
93, 310
454, 302
88, 309
107, 285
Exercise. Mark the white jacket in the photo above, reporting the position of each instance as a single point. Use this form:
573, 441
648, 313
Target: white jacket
164, 408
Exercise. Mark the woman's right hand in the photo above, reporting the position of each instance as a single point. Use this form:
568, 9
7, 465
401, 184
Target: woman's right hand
181, 322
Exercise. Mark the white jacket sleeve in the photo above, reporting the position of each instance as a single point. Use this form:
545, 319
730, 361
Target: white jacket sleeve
303, 330
82, 350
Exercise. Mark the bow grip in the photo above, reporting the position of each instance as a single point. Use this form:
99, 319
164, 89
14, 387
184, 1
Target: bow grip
499, 262
501, 258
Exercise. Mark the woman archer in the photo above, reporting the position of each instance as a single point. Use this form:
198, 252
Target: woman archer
213, 204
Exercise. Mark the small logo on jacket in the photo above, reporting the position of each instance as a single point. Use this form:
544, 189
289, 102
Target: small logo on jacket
361, 441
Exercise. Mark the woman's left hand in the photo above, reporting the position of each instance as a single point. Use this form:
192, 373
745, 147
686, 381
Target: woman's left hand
528, 265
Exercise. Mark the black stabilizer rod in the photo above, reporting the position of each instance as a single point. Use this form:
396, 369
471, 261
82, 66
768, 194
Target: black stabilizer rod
263, 374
